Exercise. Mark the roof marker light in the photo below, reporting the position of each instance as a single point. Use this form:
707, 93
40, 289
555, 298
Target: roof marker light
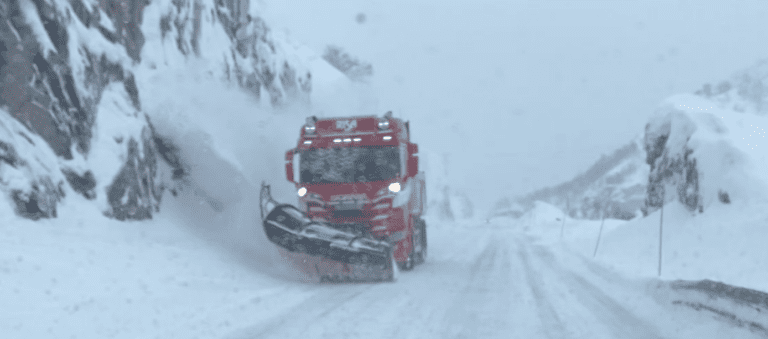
357, 139
307, 142
309, 127
347, 140
336, 140
388, 137
384, 123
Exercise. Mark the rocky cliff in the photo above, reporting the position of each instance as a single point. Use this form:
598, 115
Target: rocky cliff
71, 117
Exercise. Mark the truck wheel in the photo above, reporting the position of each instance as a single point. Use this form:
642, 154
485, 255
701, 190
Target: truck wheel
408, 264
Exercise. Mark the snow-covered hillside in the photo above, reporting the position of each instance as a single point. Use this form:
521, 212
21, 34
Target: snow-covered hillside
613, 187
709, 166
697, 149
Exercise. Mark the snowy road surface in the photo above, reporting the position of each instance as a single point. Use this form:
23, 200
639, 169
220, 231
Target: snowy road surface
494, 283
75, 278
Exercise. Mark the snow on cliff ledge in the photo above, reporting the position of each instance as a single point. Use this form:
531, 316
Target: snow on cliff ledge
701, 151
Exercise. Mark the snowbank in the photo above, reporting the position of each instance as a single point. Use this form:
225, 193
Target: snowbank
89, 276
709, 164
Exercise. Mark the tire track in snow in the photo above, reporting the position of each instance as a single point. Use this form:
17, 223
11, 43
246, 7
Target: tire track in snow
551, 323
621, 322
491, 304
460, 319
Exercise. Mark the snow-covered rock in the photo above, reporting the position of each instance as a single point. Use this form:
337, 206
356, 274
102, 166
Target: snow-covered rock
72, 74
28, 171
746, 91
702, 150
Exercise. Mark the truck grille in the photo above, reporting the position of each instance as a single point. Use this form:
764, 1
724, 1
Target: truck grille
349, 213
348, 202
356, 228
348, 206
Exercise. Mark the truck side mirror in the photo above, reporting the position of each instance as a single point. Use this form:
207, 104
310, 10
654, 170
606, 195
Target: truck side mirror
289, 166
413, 159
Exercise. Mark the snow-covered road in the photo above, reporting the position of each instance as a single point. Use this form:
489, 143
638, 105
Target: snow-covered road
84, 276
491, 282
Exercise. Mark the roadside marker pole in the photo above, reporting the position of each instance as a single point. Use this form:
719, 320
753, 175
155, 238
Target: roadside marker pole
599, 234
661, 225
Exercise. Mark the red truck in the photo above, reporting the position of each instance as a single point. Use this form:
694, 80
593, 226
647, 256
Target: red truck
361, 195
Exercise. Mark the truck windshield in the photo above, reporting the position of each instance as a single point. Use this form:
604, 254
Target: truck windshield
349, 164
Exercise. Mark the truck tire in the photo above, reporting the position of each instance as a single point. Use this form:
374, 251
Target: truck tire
413, 256
409, 263
422, 255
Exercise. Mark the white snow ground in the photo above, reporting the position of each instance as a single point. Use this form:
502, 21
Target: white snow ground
84, 276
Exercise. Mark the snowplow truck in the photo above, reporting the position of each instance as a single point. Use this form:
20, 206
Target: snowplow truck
360, 195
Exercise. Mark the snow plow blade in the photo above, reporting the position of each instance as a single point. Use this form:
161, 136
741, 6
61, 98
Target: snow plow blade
291, 229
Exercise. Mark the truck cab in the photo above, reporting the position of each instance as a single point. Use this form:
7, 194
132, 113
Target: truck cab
361, 174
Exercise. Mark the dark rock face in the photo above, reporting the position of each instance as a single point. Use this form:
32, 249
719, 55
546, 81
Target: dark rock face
171, 154
39, 198
40, 201
254, 46
83, 184
670, 169
34, 91
54, 88
134, 193
38, 89
126, 17
8, 155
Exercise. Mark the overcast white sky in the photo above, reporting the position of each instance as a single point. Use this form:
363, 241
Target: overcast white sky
554, 83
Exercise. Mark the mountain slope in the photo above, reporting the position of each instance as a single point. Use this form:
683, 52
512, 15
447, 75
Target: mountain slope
613, 186
696, 149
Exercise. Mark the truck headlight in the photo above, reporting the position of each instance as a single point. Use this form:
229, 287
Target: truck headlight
394, 187
302, 191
